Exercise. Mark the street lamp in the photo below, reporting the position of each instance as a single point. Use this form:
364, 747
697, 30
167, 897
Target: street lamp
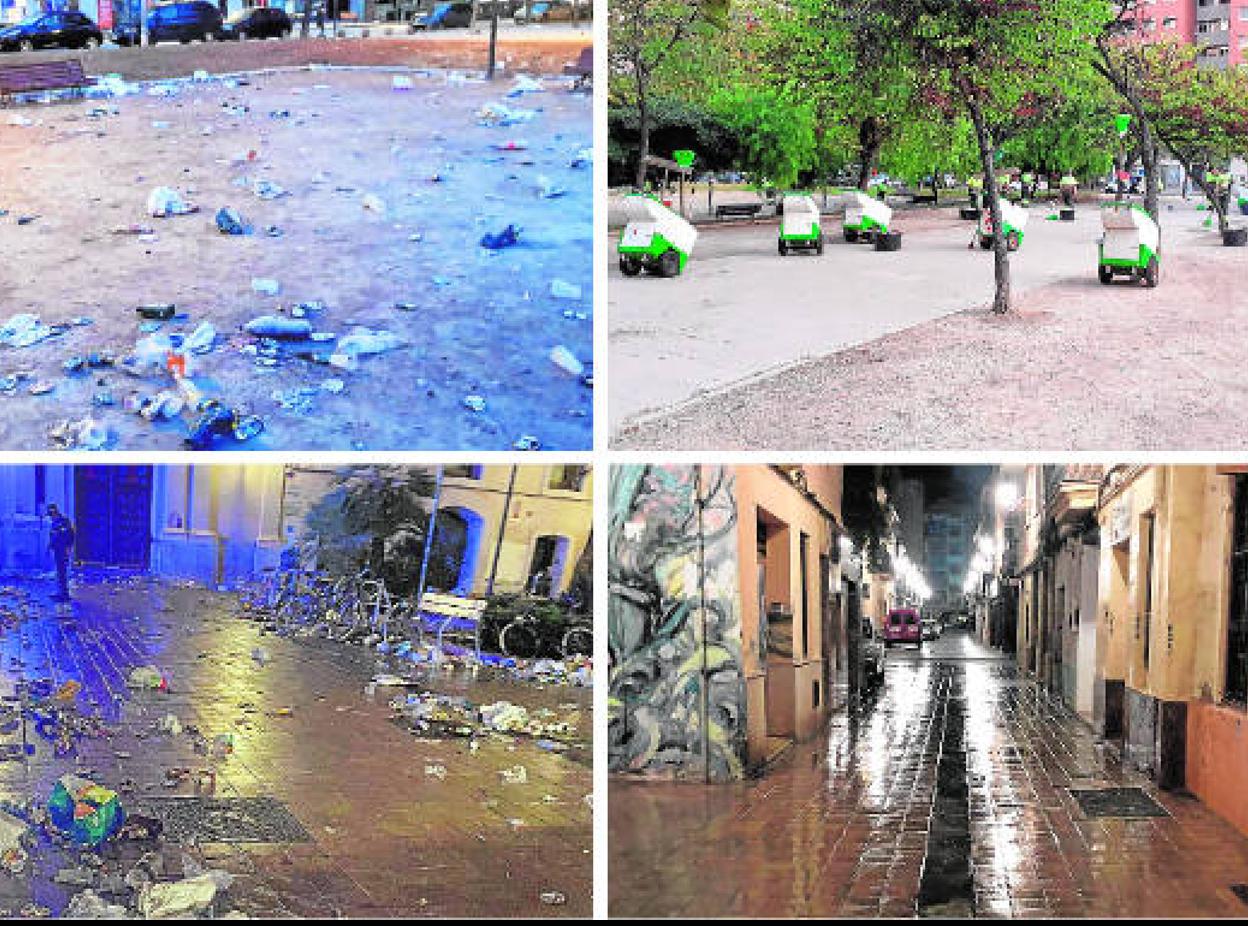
1006, 495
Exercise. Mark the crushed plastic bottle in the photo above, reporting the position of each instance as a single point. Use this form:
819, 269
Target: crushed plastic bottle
231, 222
279, 326
565, 360
164, 202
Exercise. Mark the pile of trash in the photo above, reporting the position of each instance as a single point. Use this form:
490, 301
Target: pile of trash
430, 713
121, 864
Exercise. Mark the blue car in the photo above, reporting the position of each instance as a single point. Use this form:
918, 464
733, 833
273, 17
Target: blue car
444, 16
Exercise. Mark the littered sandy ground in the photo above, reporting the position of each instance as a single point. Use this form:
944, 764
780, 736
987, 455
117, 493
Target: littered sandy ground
475, 323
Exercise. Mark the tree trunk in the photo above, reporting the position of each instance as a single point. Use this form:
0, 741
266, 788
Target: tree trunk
987, 156
305, 26
1201, 179
868, 149
643, 131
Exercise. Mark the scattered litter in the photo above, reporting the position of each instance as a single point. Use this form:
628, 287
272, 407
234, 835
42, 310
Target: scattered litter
231, 222
565, 360
164, 202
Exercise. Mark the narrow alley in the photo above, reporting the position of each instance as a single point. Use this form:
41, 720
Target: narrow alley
959, 788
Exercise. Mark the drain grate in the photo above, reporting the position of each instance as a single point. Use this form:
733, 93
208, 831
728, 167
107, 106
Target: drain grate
234, 819
1117, 802
1240, 891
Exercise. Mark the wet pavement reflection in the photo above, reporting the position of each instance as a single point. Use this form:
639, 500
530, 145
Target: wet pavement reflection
386, 836
843, 826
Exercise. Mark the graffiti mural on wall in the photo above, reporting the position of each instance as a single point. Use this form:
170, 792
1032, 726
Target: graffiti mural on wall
675, 621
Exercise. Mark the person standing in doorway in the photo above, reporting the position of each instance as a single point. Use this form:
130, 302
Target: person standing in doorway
61, 543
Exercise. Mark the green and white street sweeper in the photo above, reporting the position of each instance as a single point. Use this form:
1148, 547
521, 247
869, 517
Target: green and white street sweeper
1013, 220
655, 238
1129, 246
799, 225
865, 217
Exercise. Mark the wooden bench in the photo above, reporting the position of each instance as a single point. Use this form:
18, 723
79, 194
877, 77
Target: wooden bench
920, 198
46, 75
582, 69
734, 209
450, 616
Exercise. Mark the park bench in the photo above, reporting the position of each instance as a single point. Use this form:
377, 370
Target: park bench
46, 75
582, 68
725, 210
920, 198
452, 617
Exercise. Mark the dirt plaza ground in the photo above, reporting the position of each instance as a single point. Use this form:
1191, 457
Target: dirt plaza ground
371, 818
368, 205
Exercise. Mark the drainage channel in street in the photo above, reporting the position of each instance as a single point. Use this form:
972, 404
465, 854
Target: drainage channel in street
946, 888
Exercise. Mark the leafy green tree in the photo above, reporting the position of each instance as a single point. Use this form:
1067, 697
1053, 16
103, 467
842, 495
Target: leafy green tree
644, 35
1200, 115
373, 517
1121, 59
991, 58
776, 135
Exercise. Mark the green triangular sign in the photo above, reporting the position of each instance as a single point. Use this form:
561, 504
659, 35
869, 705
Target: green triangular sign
1122, 122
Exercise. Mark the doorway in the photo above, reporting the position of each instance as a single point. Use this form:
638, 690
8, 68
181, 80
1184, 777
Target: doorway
113, 516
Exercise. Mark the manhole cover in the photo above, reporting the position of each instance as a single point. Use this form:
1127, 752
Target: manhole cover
233, 819
1117, 802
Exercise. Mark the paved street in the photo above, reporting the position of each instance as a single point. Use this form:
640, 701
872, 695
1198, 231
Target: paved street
870, 819
397, 824
751, 350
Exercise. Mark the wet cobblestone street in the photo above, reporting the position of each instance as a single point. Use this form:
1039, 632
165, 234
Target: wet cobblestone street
397, 824
865, 820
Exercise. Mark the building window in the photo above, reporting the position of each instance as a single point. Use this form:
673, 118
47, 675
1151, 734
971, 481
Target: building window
568, 478
1168, 22
1237, 626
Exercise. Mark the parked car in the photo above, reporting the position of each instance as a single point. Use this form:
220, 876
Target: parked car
260, 22
543, 13
902, 626
184, 22
872, 649
931, 628
66, 29
443, 16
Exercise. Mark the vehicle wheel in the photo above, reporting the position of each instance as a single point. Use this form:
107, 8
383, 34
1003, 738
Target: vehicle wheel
819, 245
985, 243
851, 234
578, 641
783, 248
519, 640
1012, 241
669, 264
630, 266
1152, 273
25, 45
1106, 274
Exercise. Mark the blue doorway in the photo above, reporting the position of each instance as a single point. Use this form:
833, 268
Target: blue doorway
113, 516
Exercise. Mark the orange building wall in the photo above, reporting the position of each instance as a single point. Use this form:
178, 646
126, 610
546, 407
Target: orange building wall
1217, 759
